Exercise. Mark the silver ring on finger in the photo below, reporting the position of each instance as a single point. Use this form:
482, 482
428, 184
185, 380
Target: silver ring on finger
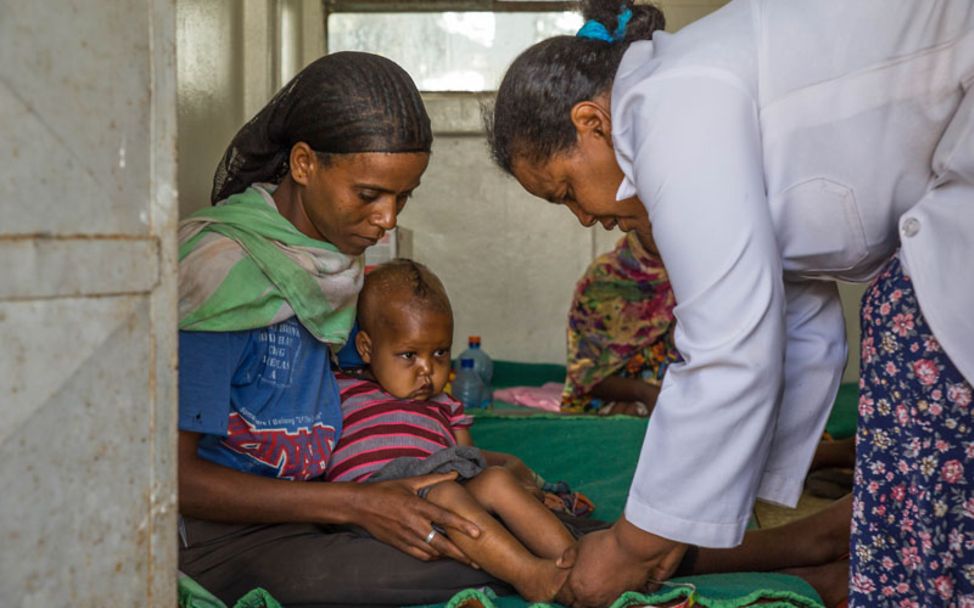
429, 537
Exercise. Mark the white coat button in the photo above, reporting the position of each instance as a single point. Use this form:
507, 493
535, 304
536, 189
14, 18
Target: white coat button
911, 226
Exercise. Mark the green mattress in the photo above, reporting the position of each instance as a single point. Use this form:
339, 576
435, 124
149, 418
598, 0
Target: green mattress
595, 455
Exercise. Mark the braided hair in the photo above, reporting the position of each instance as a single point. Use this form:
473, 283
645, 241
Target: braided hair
343, 103
531, 115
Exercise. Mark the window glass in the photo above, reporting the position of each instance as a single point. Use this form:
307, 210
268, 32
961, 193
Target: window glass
448, 51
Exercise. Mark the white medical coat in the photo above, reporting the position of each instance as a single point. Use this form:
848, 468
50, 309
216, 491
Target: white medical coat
779, 145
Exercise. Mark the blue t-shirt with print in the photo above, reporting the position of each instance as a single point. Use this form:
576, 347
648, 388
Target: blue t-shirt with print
265, 400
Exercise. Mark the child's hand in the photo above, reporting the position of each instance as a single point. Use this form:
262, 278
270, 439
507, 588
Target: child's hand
531, 481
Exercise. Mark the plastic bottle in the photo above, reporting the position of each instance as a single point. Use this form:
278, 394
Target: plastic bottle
468, 388
484, 366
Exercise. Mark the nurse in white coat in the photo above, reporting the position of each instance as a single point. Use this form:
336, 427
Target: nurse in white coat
770, 149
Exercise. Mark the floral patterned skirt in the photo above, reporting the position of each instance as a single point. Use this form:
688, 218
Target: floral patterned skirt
913, 505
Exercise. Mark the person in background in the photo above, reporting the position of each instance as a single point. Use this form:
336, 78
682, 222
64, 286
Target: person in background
620, 332
770, 149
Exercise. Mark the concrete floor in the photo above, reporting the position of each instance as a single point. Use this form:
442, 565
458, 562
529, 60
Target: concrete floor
769, 516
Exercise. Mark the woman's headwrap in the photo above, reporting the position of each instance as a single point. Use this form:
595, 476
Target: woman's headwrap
343, 103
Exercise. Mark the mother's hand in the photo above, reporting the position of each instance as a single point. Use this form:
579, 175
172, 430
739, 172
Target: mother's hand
392, 512
624, 558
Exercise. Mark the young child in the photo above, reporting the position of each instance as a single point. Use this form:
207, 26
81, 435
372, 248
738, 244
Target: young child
397, 422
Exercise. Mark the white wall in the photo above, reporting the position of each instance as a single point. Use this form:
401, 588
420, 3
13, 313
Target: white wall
232, 57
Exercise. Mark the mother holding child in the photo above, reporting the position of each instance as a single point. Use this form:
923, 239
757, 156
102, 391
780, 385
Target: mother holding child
269, 278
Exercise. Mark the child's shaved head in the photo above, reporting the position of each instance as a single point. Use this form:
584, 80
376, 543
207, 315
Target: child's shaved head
406, 329
396, 285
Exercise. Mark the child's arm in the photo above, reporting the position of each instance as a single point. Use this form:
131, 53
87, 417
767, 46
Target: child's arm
531, 480
463, 437
528, 478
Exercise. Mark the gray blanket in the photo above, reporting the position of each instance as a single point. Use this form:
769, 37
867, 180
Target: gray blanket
467, 461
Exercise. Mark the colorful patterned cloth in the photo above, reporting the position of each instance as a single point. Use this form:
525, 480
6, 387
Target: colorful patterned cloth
620, 323
913, 506
242, 265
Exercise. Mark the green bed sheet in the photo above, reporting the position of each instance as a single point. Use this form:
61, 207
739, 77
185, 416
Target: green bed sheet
735, 590
595, 455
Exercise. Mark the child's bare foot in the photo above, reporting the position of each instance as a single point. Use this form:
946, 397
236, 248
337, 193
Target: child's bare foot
831, 580
542, 582
629, 408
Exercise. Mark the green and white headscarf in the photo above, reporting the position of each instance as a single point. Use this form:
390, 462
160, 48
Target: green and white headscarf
242, 265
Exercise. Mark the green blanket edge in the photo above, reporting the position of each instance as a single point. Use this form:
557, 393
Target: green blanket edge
193, 595
784, 592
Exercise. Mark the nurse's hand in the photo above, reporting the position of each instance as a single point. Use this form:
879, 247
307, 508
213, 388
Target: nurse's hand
392, 512
609, 562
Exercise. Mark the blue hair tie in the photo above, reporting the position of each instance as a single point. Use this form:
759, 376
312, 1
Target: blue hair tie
597, 31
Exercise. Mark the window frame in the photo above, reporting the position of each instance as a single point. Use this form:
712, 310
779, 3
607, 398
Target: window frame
458, 112
329, 7
439, 6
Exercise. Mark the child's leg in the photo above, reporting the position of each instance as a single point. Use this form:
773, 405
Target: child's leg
496, 550
820, 538
498, 491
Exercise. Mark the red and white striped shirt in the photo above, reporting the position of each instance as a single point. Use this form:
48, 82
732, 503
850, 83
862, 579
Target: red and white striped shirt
377, 428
